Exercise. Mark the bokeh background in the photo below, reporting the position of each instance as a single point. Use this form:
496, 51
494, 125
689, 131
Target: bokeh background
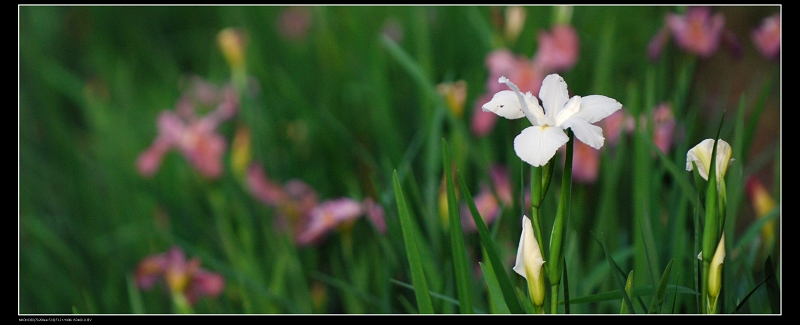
341, 97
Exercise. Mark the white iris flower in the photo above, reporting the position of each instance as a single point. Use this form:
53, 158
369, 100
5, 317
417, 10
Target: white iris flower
537, 144
701, 156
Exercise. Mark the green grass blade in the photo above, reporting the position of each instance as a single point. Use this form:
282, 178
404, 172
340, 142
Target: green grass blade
566, 289
754, 230
488, 245
773, 289
409, 237
629, 290
495, 293
460, 266
437, 295
678, 174
755, 116
621, 284
635, 292
658, 300
767, 278
134, 297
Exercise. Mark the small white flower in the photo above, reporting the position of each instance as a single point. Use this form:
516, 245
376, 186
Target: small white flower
701, 156
529, 262
537, 144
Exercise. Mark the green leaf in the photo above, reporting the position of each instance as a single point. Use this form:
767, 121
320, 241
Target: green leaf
676, 172
495, 293
491, 252
768, 277
134, 297
642, 291
628, 289
461, 269
658, 300
773, 290
409, 237
619, 282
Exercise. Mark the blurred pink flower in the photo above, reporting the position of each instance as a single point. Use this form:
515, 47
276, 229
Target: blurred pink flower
657, 43
375, 214
502, 184
181, 276
767, 37
196, 138
326, 216
558, 50
299, 210
487, 206
697, 32
482, 122
585, 163
487, 203
294, 22
614, 125
664, 127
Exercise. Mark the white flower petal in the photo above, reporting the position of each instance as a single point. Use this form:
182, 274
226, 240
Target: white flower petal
553, 94
701, 156
529, 104
528, 252
588, 133
571, 108
597, 107
536, 145
506, 104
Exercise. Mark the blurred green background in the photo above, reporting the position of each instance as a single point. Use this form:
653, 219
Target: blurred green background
336, 106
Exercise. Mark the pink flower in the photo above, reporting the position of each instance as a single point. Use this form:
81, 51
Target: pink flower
299, 210
327, 216
375, 214
487, 203
767, 37
656, 44
585, 163
293, 201
196, 138
181, 276
558, 51
697, 31
294, 22
482, 122
499, 176
614, 125
664, 130
487, 206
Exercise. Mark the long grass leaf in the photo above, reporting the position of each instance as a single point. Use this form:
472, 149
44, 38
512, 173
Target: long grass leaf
409, 237
642, 291
658, 299
773, 289
491, 251
495, 293
617, 280
460, 266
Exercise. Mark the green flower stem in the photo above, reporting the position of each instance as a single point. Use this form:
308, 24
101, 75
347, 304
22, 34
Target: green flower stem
180, 305
536, 202
557, 237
